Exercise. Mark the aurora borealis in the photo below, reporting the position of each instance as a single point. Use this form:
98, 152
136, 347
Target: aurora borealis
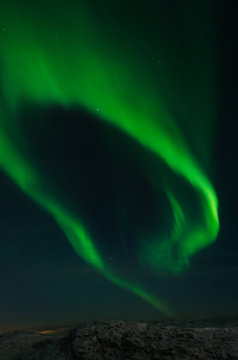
97, 99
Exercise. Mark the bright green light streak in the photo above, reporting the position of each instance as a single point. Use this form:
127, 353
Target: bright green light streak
24, 174
75, 71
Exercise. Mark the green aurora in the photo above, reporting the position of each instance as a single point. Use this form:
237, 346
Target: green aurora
69, 53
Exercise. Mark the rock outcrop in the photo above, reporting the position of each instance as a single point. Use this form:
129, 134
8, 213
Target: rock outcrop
125, 340
144, 341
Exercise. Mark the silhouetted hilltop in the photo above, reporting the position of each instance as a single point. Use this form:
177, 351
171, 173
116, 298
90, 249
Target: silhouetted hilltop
118, 339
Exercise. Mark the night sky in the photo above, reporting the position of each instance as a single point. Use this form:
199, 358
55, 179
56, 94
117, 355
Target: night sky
118, 160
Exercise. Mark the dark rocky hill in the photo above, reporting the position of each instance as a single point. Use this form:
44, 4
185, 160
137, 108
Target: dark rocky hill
125, 340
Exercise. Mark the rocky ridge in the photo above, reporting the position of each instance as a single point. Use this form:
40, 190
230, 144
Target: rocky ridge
125, 340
